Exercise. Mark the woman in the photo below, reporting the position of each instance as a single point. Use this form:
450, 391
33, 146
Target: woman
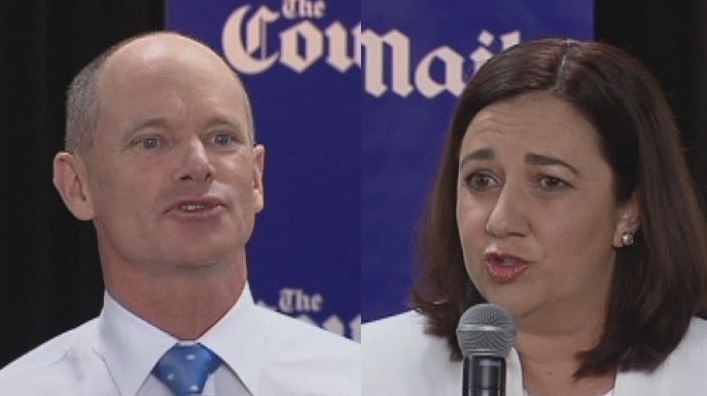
562, 196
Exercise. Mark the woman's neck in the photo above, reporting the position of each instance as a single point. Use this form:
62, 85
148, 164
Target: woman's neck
549, 362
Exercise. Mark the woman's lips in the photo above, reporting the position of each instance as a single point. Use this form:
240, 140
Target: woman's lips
505, 268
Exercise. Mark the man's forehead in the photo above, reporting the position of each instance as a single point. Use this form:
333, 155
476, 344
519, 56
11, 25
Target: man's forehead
162, 55
169, 47
165, 47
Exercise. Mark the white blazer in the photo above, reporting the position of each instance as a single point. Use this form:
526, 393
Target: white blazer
399, 359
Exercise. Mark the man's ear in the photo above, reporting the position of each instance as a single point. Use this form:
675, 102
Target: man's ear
71, 181
629, 219
258, 168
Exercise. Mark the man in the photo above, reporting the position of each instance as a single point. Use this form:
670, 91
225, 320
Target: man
161, 157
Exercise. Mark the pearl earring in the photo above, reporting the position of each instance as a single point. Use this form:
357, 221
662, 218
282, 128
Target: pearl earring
627, 239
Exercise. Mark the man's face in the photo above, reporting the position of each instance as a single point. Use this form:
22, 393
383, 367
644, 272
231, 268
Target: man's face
173, 178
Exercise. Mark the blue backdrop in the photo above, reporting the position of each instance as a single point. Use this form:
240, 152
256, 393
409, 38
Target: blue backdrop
417, 54
299, 63
351, 155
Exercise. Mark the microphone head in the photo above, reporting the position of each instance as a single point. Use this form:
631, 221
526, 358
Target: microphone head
486, 329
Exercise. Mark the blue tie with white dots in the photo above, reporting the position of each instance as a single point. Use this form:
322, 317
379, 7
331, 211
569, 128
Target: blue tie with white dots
185, 368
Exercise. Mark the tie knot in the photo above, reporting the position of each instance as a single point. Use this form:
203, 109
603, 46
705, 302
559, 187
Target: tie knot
185, 368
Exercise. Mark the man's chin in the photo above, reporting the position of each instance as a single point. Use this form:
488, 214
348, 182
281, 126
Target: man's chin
204, 257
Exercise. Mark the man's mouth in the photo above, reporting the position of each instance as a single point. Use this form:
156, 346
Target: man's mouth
195, 206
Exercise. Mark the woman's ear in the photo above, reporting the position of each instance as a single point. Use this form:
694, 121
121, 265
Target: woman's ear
628, 222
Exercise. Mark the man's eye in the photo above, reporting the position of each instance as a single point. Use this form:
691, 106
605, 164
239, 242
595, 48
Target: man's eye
223, 139
149, 143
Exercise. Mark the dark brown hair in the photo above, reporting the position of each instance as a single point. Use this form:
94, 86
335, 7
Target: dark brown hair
660, 281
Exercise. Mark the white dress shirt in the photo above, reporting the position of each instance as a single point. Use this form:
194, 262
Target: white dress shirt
264, 353
399, 358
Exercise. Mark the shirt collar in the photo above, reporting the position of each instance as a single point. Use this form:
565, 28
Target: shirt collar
238, 339
131, 346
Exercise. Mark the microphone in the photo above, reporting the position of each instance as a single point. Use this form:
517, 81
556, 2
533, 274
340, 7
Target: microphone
485, 333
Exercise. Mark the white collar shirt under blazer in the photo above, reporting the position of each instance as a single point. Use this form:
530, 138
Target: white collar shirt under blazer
265, 354
400, 359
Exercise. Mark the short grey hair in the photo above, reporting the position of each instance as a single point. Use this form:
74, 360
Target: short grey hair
82, 103
83, 99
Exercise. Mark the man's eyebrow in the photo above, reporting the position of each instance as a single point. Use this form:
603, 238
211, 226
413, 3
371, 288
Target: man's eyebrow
164, 123
544, 160
226, 121
153, 122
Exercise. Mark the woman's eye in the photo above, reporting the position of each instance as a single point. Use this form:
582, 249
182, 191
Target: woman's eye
481, 181
552, 183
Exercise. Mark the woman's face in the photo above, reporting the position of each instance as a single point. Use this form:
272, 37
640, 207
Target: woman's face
536, 212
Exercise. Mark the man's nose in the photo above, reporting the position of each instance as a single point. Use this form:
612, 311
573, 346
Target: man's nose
195, 163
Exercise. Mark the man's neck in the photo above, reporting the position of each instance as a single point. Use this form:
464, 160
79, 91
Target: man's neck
184, 304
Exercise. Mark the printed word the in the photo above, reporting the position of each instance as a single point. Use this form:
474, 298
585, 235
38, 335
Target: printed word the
292, 9
296, 300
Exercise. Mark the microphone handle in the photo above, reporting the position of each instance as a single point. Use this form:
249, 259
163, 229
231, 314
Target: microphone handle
484, 376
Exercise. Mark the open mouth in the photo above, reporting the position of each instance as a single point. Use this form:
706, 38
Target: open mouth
506, 261
505, 268
203, 206
192, 207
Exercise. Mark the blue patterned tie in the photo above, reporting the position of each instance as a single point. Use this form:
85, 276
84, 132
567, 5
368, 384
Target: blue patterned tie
185, 368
